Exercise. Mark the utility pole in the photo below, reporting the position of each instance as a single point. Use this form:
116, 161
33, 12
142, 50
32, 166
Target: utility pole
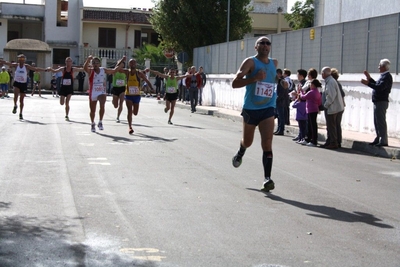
228, 20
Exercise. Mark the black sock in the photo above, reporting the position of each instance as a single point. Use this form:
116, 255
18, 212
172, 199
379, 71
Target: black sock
241, 150
267, 163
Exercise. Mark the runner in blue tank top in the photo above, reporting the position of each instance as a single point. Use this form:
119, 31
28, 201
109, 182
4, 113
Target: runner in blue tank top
258, 74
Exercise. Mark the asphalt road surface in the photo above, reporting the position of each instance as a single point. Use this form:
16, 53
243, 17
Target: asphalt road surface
168, 194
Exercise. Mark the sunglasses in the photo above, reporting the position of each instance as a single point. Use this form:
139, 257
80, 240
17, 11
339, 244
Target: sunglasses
264, 43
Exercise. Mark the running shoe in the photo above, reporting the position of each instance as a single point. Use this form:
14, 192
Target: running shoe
20, 117
100, 125
117, 120
268, 185
14, 109
66, 118
165, 110
311, 144
170, 122
236, 161
130, 130
93, 127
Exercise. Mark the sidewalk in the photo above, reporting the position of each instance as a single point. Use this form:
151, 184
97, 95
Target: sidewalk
351, 140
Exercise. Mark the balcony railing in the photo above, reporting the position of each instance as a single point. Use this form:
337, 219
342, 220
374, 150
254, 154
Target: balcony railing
112, 55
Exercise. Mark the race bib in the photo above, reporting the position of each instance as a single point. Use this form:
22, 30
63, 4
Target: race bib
98, 87
264, 89
66, 81
134, 90
120, 82
171, 90
20, 79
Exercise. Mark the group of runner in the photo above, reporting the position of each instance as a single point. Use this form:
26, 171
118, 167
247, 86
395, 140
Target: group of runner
126, 86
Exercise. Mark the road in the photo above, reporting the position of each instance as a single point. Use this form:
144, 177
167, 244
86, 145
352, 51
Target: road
168, 195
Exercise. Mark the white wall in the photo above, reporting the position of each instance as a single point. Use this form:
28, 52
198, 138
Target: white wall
336, 11
90, 34
358, 115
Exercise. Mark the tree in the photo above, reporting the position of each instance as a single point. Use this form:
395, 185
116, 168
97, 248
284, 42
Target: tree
186, 24
152, 52
302, 15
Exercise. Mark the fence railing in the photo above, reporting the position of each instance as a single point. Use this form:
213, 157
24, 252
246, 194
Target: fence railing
110, 54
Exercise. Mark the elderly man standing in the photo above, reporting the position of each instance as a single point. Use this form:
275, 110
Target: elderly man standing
333, 104
380, 98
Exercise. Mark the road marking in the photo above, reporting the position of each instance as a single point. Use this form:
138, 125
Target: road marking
132, 251
99, 161
86, 144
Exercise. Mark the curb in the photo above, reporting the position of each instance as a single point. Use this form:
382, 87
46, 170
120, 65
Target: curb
392, 153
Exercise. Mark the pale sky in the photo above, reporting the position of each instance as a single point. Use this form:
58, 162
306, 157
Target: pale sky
116, 3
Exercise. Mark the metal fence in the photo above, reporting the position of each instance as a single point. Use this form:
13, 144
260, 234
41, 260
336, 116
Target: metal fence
351, 47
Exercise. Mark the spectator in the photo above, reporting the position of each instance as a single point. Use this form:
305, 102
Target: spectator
301, 116
313, 100
203, 81
81, 80
335, 75
281, 102
158, 82
380, 98
193, 82
31, 72
4, 80
59, 76
333, 104
53, 84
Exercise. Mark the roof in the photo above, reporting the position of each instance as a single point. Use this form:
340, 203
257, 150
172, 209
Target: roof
27, 44
116, 16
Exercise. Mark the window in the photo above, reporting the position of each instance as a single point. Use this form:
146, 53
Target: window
62, 13
59, 56
107, 37
138, 39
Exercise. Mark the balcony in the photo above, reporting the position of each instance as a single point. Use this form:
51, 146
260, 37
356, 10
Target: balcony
112, 55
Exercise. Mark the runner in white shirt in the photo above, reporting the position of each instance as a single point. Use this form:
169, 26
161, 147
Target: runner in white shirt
20, 81
97, 87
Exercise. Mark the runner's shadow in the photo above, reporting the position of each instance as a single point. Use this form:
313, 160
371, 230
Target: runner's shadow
144, 138
329, 212
79, 122
33, 122
187, 126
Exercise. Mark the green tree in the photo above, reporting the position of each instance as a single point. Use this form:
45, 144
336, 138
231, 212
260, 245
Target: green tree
152, 52
302, 15
186, 24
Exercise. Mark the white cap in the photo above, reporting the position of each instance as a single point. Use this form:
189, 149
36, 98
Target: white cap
3, 68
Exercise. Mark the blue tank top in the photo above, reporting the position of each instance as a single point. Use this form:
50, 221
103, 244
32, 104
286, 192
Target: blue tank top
261, 95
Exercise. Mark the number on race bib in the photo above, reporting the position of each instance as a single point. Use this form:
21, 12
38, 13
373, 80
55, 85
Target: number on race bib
171, 90
134, 90
98, 87
66, 81
264, 89
120, 82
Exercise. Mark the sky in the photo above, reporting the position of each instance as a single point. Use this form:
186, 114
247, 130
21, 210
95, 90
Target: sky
116, 3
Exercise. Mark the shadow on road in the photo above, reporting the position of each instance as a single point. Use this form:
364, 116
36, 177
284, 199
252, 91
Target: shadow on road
30, 241
144, 137
329, 212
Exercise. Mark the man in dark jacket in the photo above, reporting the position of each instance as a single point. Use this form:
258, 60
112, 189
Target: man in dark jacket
282, 101
380, 98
